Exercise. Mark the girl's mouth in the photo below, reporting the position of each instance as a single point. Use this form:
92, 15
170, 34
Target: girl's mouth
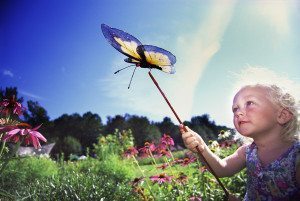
243, 122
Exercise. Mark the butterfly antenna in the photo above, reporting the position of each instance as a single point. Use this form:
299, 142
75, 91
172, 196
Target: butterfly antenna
131, 77
123, 69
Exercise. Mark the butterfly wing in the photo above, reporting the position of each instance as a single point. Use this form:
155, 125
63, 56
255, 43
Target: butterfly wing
122, 41
158, 57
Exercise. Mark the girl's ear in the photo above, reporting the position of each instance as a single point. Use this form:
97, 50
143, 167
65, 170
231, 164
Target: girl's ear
284, 116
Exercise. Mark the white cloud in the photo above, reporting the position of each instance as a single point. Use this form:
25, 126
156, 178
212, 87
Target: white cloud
275, 13
194, 52
8, 73
31, 95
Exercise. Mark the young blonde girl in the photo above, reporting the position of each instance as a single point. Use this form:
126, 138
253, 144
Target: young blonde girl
269, 117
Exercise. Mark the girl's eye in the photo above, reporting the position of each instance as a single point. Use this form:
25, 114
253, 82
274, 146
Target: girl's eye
248, 103
234, 109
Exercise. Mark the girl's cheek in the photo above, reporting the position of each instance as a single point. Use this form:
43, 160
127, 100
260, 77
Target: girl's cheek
250, 109
235, 122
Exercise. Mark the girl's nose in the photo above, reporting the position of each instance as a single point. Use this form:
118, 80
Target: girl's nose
240, 112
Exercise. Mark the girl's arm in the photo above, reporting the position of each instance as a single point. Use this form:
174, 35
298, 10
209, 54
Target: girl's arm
228, 166
222, 167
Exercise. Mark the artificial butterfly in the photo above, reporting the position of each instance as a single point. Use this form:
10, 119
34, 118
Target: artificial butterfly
144, 56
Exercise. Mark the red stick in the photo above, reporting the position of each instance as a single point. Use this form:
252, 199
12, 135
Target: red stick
198, 150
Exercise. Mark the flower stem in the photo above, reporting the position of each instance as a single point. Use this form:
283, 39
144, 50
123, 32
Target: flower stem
170, 153
137, 163
153, 159
2, 146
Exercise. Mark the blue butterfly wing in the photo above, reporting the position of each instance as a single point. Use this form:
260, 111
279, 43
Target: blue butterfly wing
158, 57
122, 41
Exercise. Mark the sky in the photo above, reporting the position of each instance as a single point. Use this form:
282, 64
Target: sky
54, 52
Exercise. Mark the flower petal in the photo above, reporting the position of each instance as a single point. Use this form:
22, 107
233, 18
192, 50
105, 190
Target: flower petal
38, 135
35, 142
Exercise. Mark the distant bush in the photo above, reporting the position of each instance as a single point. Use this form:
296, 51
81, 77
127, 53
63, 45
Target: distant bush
69, 145
113, 144
35, 178
23, 171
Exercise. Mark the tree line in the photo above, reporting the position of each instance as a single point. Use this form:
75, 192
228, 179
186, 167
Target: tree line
79, 132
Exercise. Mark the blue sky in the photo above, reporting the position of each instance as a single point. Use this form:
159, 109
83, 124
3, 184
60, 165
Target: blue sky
55, 53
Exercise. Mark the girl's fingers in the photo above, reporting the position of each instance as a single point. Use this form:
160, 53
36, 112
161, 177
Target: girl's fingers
190, 140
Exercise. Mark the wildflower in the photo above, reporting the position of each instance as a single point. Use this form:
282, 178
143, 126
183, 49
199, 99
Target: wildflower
11, 106
137, 181
30, 135
163, 166
140, 191
214, 144
177, 161
159, 147
166, 139
7, 128
182, 179
131, 151
203, 169
161, 178
187, 161
7, 122
189, 154
227, 143
6, 125
102, 140
163, 152
195, 198
148, 148
224, 134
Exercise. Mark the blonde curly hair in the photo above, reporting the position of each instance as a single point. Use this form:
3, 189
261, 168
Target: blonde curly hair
284, 100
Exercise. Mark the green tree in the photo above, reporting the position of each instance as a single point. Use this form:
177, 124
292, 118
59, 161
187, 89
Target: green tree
68, 145
143, 131
35, 114
91, 129
117, 122
84, 128
9, 92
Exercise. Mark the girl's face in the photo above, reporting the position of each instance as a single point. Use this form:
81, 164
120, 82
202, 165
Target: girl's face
254, 114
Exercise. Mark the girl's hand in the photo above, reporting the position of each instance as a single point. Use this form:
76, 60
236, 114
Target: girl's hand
191, 139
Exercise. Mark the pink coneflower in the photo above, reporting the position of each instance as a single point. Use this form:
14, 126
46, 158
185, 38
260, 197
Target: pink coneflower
30, 135
163, 152
161, 178
148, 148
11, 106
227, 143
159, 147
166, 139
177, 161
163, 166
203, 169
131, 151
7, 128
182, 178
195, 198
137, 181
187, 161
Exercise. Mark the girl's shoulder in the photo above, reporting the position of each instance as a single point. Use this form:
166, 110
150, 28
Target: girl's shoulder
242, 150
249, 147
